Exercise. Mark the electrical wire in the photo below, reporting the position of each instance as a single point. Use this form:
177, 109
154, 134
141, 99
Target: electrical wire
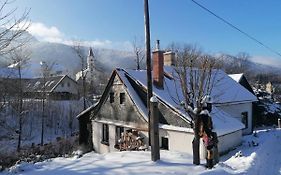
236, 28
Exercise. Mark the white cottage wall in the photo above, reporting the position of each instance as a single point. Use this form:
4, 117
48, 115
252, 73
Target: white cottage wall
229, 141
236, 111
178, 141
97, 136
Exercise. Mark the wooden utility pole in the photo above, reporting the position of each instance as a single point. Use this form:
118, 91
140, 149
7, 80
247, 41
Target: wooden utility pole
154, 125
148, 61
43, 109
44, 70
196, 141
20, 107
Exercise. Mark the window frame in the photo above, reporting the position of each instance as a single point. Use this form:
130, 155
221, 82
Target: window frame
111, 97
245, 118
105, 134
166, 146
122, 97
118, 133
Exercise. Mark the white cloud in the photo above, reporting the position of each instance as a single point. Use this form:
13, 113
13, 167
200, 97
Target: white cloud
45, 33
52, 34
266, 60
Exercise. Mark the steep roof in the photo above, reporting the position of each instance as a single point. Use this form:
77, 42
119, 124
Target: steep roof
224, 123
225, 89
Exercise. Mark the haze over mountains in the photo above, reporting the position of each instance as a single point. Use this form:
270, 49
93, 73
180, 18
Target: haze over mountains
67, 62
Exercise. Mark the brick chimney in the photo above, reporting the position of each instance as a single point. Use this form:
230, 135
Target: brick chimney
158, 66
169, 58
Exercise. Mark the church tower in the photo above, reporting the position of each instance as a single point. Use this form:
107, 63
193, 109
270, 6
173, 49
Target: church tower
90, 63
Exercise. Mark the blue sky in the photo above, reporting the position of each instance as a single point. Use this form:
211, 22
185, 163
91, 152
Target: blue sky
114, 23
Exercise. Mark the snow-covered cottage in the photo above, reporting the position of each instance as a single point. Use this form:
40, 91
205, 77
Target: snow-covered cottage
123, 107
56, 87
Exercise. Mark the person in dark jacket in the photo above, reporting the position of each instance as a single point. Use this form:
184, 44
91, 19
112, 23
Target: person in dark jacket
206, 130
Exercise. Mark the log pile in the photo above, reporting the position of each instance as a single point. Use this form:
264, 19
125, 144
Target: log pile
131, 141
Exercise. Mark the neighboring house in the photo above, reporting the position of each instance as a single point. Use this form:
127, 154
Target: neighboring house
123, 107
269, 88
56, 87
241, 79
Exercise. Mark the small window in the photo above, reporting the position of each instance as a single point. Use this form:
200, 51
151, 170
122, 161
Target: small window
165, 143
244, 116
111, 97
62, 84
68, 84
105, 134
122, 98
119, 130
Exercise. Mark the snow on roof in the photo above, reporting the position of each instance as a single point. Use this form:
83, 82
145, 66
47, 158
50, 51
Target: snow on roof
37, 84
176, 128
225, 89
236, 77
168, 95
224, 123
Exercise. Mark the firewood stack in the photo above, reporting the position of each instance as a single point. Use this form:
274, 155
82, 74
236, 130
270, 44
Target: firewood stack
131, 141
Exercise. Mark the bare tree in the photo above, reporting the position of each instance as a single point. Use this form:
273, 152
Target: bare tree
46, 68
12, 28
11, 33
138, 51
78, 49
194, 71
20, 58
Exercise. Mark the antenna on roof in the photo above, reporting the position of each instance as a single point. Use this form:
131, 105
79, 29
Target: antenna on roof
157, 45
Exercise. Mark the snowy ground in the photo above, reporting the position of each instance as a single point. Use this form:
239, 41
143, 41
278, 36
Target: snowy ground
262, 159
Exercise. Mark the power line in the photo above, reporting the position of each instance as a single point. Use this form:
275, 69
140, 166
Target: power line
236, 28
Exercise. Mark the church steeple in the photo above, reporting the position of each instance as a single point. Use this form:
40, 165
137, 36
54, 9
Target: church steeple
90, 60
91, 52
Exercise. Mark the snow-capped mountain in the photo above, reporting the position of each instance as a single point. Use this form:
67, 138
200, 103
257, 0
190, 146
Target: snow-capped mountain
66, 60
